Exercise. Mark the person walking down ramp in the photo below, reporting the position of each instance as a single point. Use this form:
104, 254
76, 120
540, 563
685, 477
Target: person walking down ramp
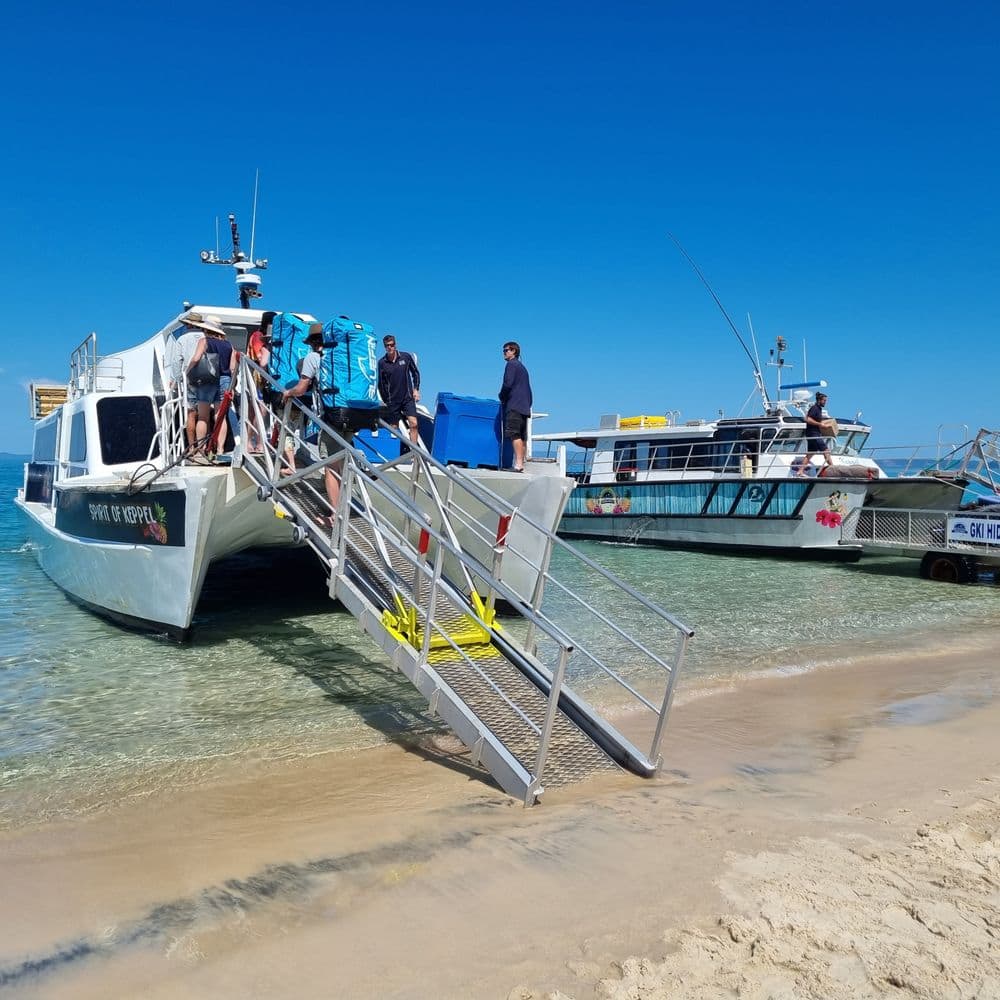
515, 397
399, 387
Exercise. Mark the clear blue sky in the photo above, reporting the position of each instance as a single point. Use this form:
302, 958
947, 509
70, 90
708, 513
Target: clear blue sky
464, 174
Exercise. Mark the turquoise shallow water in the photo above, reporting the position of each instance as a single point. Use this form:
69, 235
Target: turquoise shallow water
89, 712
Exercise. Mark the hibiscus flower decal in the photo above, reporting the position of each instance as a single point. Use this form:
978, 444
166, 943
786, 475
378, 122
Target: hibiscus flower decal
832, 515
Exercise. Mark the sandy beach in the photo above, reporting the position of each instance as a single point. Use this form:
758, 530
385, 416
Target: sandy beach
832, 834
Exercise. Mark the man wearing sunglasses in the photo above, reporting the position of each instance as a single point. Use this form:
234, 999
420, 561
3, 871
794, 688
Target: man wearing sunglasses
515, 398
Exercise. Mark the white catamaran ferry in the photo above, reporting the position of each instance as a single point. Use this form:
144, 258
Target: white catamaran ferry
126, 517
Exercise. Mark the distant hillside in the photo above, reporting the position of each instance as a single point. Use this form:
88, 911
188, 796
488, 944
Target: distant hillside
11, 454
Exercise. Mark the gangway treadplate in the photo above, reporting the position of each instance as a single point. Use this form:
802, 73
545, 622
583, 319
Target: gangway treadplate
490, 695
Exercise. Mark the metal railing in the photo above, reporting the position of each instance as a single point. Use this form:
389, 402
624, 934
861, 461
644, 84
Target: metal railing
90, 373
922, 530
453, 536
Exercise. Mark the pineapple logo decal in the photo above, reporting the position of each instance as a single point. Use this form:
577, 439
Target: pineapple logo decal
157, 529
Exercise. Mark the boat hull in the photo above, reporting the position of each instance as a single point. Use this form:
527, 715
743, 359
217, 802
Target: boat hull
104, 552
743, 516
924, 492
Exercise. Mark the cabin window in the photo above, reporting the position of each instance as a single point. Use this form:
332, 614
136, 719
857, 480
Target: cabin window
853, 443
659, 456
625, 458
625, 461
78, 438
703, 456
786, 443
127, 427
45, 441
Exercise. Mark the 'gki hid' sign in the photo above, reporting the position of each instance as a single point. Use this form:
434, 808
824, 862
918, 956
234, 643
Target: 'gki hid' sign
974, 530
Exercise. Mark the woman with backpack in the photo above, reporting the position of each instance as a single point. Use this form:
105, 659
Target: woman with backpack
204, 373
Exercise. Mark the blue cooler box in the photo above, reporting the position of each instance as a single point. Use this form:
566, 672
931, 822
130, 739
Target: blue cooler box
468, 431
377, 446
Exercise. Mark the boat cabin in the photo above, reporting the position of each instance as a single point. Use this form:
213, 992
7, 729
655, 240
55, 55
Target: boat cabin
662, 449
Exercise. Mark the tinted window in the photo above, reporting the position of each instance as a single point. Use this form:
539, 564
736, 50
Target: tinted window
45, 441
78, 437
127, 428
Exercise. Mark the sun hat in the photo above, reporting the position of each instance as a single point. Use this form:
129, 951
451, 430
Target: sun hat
210, 324
315, 333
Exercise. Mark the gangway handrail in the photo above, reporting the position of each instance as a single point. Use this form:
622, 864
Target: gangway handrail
482, 493
366, 491
485, 495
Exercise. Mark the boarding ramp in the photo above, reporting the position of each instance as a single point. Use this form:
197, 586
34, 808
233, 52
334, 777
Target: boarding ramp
509, 668
952, 545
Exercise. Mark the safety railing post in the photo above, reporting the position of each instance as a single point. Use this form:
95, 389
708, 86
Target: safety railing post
423, 544
668, 698
342, 517
550, 712
431, 609
499, 546
281, 442
538, 592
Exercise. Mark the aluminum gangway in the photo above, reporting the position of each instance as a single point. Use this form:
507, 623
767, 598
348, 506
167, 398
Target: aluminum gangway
402, 547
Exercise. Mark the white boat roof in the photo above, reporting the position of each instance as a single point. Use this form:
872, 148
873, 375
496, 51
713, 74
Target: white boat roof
233, 315
687, 429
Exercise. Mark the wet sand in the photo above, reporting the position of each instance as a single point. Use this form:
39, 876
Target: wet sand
828, 834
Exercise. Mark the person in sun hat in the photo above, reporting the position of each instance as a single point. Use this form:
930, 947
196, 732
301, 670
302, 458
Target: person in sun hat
183, 349
216, 341
206, 395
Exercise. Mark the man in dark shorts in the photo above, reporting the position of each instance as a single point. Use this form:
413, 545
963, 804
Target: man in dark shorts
816, 441
515, 398
399, 387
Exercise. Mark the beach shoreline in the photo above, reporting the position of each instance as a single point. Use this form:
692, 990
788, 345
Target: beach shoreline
402, 871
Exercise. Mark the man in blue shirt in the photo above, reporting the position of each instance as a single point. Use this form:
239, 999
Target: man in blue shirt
515, 398
399, 386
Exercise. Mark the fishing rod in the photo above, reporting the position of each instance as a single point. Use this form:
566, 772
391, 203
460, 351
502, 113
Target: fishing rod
758, 377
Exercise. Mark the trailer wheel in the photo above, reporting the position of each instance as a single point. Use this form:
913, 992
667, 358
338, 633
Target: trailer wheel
946, 567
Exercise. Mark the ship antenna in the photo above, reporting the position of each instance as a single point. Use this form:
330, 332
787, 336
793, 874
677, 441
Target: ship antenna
247, 283
253, 214
758, 377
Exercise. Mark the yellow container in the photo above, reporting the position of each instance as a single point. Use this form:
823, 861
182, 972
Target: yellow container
630, 423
